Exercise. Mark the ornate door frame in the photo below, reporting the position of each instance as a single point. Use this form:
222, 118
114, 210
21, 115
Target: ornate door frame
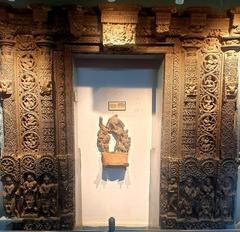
199, 149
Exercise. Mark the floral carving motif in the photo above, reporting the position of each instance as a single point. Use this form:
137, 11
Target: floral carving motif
29, 101
30, 141
119, 34
27, 62
28, 80
30, 121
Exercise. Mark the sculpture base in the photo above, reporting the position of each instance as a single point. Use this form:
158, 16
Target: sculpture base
114, 159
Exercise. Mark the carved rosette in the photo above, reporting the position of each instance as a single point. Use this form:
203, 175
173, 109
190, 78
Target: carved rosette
209, 104
118, 24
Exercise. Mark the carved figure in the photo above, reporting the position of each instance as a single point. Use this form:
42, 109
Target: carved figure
172, 196
188, 202
5, 88
225, 199
30, 188
115, 127
47, 196
207, 199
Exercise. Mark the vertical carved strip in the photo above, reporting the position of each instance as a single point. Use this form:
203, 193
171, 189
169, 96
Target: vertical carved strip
166, 133
228, 133
59, 80
209, 106
45, 72
28, 92
9, 104
190, 97
176, 99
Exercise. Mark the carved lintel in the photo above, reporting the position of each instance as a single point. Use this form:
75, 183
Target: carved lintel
163, 19
119, 24
119, 13
235, 27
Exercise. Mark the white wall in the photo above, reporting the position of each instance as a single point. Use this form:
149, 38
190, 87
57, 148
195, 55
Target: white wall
100, 193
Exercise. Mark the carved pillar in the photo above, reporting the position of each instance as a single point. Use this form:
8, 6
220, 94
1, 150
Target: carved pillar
45, 77
191, 90
119, 24
7, 84
209, 106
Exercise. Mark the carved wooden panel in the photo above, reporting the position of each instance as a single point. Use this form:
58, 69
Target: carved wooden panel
198, 151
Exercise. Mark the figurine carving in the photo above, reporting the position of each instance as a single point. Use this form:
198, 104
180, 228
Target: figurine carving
5, 88
115, 127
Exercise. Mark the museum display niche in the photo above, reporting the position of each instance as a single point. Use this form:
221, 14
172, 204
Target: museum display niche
132, 80
199, 140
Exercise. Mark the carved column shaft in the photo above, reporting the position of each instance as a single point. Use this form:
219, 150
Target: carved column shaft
45, 75
191, 46
7, 84
209, 102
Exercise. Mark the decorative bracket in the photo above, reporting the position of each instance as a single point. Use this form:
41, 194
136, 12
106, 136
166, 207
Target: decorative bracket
5, 88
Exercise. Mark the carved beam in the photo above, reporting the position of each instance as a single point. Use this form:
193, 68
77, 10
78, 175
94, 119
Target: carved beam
163, 18
119, 24
235, 26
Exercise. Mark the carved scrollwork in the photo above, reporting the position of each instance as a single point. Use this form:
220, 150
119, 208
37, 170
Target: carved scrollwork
29, 101
30, 121
25, 42
208, 103
30, 141
28, 163
118, 34
28, 80
207, 122
27, 62
207, 143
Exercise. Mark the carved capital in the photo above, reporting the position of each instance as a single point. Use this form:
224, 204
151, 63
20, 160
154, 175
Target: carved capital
235, 27
119, 24
7, 38
163, 18
44, 39
192, 43
231, 43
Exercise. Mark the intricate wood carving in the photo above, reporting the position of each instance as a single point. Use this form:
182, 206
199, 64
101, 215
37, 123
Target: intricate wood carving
118, 24
198, 168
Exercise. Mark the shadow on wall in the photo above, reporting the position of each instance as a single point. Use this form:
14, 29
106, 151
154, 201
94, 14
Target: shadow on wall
106, 74
113, 173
